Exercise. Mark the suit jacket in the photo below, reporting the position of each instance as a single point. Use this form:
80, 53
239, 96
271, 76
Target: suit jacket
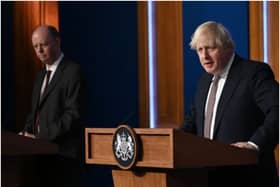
59, 108
248, 109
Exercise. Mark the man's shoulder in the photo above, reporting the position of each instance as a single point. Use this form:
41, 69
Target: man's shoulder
249, 68
70, 64
254, 69
252, 64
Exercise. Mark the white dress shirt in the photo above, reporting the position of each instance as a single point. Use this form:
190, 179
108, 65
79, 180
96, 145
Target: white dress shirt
221, 83
52, 68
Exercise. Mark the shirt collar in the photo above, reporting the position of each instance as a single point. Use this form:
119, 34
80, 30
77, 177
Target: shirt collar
55, 64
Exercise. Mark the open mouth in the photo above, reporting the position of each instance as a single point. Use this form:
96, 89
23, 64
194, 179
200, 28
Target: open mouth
208, 63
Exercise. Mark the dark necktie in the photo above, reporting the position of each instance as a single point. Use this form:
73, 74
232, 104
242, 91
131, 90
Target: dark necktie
47, 79
210, 107
48, 74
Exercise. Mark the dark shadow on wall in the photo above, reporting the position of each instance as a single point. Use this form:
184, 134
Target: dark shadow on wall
102, 37
7, 69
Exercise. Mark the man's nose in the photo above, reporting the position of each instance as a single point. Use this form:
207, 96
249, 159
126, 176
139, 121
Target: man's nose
205, 53
40, 49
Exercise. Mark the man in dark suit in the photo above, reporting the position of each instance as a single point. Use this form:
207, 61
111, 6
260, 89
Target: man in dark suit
236, 102
55, 110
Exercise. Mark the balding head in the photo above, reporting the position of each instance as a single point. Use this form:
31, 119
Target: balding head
46, 43
52, 31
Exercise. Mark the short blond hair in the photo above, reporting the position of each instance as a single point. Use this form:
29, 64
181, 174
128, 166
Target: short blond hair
222, 36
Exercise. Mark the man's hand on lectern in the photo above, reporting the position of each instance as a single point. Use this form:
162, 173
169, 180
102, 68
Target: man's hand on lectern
26, 134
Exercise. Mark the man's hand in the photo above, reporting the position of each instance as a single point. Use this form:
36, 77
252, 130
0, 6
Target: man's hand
245, 145
26, 134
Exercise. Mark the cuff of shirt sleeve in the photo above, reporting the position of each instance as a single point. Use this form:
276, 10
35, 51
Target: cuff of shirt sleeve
254, 145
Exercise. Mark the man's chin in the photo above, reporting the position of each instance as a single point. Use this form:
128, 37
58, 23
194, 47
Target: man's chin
44, 61
209, 71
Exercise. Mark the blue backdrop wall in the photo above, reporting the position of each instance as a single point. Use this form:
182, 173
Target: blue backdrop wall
233, 15
102, 37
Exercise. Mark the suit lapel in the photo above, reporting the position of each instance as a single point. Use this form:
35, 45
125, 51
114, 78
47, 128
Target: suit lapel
38, 85
232, 82
56, 77
202, 101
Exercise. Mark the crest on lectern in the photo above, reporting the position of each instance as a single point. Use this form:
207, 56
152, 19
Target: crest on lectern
125, 146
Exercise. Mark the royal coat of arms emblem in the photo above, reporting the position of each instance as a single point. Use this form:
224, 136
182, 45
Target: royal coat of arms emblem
124, 146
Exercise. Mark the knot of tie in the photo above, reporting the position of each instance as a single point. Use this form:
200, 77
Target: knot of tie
48, 75
216, 79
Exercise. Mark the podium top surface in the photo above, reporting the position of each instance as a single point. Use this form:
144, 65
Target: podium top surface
14, 145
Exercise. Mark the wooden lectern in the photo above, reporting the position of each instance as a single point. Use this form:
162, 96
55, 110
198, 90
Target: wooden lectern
16, 145
14, 149
168, 157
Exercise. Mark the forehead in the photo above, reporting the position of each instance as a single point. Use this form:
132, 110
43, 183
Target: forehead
205, 39
40, 35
